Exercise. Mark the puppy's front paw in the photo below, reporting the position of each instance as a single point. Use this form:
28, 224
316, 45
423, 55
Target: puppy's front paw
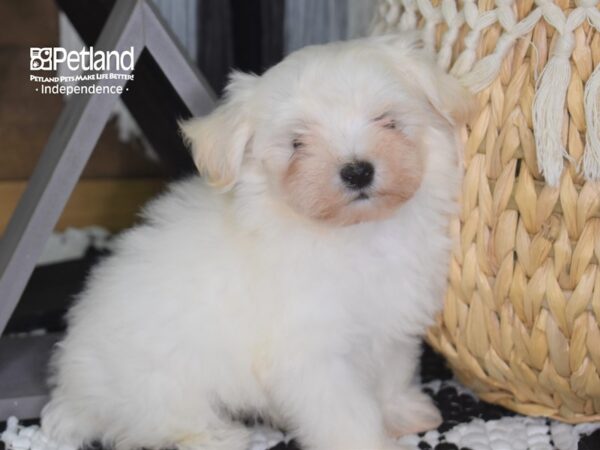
410, 413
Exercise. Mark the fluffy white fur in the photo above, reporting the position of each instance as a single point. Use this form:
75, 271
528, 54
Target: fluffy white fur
263, 298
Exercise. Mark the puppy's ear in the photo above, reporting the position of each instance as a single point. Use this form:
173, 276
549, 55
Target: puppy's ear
218, 141
453, 101
417, 66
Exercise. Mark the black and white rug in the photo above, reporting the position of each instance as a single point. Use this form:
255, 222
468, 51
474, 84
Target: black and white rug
469, 424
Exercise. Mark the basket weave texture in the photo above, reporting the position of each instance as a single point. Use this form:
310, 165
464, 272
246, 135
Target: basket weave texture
520, 325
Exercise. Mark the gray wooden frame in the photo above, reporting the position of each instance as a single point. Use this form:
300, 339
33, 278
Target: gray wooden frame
131, 23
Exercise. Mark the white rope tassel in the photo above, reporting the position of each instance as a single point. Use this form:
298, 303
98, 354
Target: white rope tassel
548, 111
591, 156
486, 69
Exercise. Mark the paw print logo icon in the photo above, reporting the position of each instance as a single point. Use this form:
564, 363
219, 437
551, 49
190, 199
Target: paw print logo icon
40, 58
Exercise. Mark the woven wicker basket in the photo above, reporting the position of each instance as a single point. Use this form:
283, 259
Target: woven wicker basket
520, 324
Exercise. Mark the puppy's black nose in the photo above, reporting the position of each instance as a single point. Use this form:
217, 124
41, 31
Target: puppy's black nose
357, 174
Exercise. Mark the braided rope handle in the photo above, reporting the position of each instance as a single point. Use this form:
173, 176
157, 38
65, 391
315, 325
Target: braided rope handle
552, 83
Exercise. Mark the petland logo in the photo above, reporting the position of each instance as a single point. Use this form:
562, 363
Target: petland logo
48, 58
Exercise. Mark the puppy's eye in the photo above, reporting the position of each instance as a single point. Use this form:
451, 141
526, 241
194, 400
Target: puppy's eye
390, 124
297, 144
386, 121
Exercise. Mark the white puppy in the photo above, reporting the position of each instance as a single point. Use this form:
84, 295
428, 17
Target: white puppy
299, 289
